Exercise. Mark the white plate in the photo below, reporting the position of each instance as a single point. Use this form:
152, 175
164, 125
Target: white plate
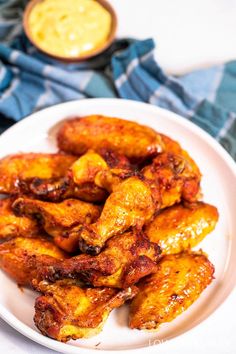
37, 133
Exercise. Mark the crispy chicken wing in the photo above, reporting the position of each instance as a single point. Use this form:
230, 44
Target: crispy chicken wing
58, 219
95, 132
17, 170
181, 227
22, 258
67, 311
163, 296
175, 177
126, 259
14, 226
86, 179
130, 205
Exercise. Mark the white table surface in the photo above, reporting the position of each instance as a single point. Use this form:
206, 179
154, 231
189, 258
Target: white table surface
189, 35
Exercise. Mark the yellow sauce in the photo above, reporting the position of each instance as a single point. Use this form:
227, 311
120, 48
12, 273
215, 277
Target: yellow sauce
69, 28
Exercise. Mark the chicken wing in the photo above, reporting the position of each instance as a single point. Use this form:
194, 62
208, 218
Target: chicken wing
17, 170
14, 226
95, 132
175, 177
130, 205
182, 226
67, 311
163, 296
126, 259
86, 179
21, 258
58, 219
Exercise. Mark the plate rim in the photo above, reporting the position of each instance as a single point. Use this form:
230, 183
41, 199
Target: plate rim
47, 342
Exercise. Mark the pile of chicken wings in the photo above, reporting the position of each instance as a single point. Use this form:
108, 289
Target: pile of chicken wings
110, 218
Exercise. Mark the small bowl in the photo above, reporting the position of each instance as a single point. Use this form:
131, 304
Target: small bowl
97, 51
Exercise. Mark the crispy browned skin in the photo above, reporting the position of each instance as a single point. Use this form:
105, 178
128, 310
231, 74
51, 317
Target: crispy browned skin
104, 170
58, 219
181, 227
130, 205
95, 132
172, 146
12, 225
163, 296
67, 311
176, 178
58, 189
84, 169
126, 259
168, 180
86, 179
21, 258
17, 170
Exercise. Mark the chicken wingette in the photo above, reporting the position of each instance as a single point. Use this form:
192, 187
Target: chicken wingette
183, 226
96, 132
12, 225
22, 258
16, 171
126, 259
178, 282
67, 311
58, 219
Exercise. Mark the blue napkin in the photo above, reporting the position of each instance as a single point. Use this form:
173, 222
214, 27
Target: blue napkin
30, 81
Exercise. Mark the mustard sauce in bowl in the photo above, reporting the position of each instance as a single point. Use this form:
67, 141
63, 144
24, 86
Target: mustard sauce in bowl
70, 29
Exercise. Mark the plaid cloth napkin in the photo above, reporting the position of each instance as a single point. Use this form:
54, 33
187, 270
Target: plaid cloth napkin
30, 81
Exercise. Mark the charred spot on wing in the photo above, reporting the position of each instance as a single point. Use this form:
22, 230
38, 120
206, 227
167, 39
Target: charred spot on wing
115, 160
52, 188
17, 207
85, 248
142, 241
23, 185
158, 249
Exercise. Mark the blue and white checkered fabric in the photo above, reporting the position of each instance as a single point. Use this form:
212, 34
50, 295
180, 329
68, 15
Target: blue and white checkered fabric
30, 81
206, 97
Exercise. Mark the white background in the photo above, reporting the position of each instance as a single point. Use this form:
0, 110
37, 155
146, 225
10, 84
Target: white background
189, 35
